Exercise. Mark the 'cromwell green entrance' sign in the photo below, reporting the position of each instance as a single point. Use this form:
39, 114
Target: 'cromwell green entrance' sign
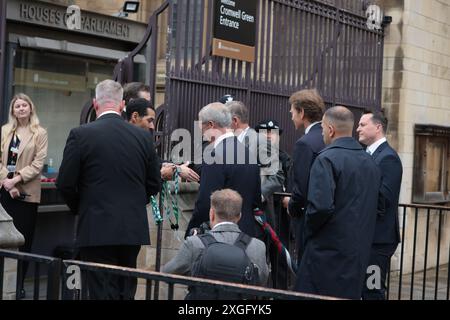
234, 29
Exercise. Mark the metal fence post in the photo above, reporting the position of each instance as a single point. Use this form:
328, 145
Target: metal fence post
54, 273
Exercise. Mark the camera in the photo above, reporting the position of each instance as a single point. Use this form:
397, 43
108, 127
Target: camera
204, 228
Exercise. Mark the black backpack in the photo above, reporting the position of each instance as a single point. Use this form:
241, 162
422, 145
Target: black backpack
224, 262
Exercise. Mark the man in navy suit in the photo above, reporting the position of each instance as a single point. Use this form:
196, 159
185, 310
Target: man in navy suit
227, 163
372, 130
307, 109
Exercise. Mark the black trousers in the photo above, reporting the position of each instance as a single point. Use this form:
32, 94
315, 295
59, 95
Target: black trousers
24, 216
380, 255
298, 223
106, 286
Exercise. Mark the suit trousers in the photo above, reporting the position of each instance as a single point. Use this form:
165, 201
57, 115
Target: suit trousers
298, 222
24, 215
106, 286
380, 255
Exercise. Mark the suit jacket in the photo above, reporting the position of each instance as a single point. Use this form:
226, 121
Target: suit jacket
340, 221
30, 161
387, 228
306, 150
107, 175
241, 176
228, 233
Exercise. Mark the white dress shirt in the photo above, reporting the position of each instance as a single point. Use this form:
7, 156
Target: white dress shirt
374, 146
241, 136
310, 126
108, 112
222, 137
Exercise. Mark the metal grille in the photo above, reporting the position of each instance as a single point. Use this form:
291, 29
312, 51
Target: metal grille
299, 44
354, 6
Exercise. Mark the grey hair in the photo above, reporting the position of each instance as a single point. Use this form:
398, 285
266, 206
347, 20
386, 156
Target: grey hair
238, 109
227, 203
109, 91
341, 118
217, 113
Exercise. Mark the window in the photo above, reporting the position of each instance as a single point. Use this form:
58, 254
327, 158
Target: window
431, 164
59, 85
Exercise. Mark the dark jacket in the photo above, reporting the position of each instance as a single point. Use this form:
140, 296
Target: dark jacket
305, 152
340, 220
286, 165
243, 178
387, 227
108, 173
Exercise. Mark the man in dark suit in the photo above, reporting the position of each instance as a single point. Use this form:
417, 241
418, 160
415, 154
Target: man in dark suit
108, 173
307, 109
227, 163
341, 212
267, 155
372, 132
140, 112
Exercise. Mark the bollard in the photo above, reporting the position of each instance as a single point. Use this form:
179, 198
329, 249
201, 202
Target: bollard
10, 239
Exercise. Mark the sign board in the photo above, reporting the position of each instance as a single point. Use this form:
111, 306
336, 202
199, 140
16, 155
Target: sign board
234, 29
55, 16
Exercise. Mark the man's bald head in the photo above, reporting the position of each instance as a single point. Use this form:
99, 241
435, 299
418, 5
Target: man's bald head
337, 123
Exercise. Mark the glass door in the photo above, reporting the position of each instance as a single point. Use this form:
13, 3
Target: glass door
59, 85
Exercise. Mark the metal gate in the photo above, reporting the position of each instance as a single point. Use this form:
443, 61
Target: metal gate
299, 44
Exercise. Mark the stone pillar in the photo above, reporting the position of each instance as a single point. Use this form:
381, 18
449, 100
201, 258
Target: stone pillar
10, 239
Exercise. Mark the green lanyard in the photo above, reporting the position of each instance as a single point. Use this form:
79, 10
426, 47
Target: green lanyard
166, 195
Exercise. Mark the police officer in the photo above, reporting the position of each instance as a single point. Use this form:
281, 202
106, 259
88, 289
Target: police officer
272, 130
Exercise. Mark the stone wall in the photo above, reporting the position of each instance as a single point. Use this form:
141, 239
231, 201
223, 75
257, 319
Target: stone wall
416, 90
416, 78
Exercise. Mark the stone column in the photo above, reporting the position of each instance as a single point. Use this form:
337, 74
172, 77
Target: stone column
10, 239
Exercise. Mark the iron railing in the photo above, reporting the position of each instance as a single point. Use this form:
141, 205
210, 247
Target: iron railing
36, 262
58, 276
152, 278
419, 269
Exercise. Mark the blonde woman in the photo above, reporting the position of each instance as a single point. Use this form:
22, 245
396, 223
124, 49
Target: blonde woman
23, 151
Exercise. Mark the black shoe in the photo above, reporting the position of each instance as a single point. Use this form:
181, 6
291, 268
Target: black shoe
21, 294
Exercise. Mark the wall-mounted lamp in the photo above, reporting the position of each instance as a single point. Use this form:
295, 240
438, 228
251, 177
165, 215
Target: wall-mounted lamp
128, 7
